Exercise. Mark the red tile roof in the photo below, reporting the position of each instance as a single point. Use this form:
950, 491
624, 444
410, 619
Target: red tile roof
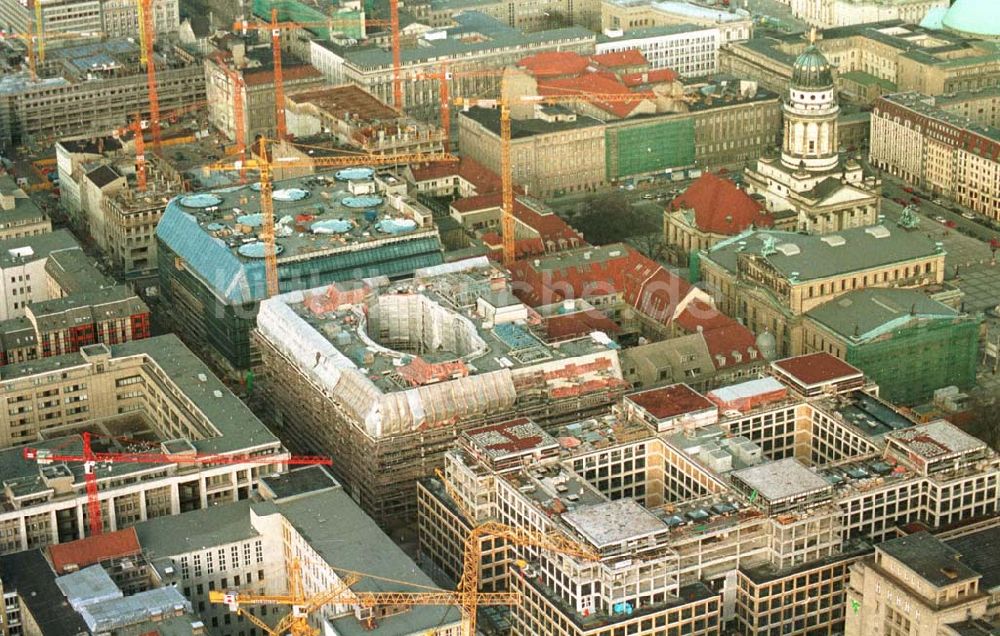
549, 227
592, 83
86, 552
720, 207
641, 282
580, 323
699, 313
817, 368
550, 63
433, 171
658, 76
670, 401
724, 341
482, 179
630, 57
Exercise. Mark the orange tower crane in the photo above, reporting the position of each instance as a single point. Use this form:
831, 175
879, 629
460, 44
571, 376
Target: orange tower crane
147, 33
397, 60
443, 76
507, 222
276, 28
136, 128
31, 40
264, 164
91, 459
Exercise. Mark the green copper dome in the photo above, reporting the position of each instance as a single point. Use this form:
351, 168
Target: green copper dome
977, 18
811, 70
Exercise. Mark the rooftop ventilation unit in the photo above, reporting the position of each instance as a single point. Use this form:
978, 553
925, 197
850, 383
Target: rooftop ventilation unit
789, 249
878, 231
834, 240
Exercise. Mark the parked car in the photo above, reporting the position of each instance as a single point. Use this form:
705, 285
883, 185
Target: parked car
969, 215
940, 219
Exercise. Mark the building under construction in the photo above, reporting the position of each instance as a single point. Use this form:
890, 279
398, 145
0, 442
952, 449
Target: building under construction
744, 504
92, 87
328, 228
382, 376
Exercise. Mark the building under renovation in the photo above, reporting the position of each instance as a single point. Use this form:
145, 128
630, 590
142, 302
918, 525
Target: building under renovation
328, 228
381, 376
748, 502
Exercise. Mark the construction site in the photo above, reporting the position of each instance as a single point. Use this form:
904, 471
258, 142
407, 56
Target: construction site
693, 503
383, 375
328, 228
93, 87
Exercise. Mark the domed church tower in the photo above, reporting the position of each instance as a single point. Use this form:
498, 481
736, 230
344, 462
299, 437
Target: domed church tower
810, 114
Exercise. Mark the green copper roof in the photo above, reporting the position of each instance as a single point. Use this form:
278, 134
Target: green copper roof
811, 70
974, 17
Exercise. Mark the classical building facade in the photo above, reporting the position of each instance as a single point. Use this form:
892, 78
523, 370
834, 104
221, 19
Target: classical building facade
809, 178
833, 13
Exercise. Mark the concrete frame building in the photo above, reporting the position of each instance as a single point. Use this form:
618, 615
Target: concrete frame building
770, 279
382, 376
22, 269
80, 101
732, 492
530, 15
154, 388
948, 145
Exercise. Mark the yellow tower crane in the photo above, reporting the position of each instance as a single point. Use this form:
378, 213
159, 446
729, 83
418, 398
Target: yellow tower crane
264, 163
468, 585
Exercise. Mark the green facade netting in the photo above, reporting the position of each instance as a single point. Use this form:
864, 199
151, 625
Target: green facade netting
643, 148
910, 363
347, 22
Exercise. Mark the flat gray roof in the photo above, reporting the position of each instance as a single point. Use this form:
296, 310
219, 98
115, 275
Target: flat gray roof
813, 258
867, 313
196, 530
781, 479
930, 558
348, 539
612, 522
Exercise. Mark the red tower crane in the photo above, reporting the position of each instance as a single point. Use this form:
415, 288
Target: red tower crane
147, 32
90, 459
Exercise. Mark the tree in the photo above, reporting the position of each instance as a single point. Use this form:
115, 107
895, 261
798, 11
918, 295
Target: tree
610, 218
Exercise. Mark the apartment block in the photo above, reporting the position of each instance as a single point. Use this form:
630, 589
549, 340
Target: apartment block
948, 147
703, 506
154, 390
22, 269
